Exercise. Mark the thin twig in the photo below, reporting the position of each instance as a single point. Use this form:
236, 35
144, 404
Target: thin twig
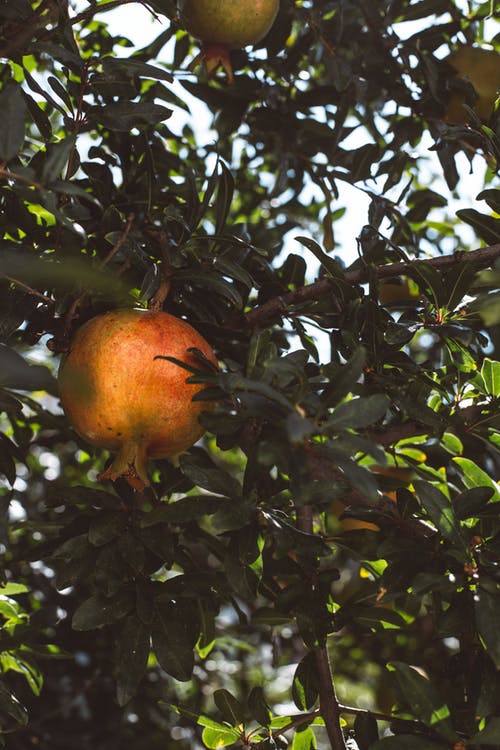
8, 175
317, 290
119, 242
30, 289
297, 722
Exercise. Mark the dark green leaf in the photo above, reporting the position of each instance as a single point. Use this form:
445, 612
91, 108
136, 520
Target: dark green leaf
231, 709
174, 635
134, 67
225, 189
12, 121
487, 606
358, 413
10, 706
56, 159
304, 739
487, 227
441, 512
185, 510
132, 651
16, 373
423, 700
202, 472
105, 527
471, 502
365, 730
343, 377
258, 707
305, 687
123, 116
99, 610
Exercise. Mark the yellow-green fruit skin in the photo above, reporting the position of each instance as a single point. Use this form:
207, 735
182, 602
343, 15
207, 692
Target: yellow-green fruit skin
233, 23
482, 68
117, 395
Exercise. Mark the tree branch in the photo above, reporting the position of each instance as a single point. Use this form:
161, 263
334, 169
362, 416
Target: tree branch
328, 701
317, 290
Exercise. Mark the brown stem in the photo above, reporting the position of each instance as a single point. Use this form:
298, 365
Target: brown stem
316, 291
328, 701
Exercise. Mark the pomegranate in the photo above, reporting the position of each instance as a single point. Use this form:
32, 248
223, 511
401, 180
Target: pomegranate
118, 396
222, 25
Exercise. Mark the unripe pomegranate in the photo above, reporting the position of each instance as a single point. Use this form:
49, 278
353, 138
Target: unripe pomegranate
118, 396
222, 25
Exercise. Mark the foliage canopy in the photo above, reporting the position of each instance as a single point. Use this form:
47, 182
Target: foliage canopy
340, 517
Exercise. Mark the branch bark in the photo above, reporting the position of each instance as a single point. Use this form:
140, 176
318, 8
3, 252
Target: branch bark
316, 291
328, 702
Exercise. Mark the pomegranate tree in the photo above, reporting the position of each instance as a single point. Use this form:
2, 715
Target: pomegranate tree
119, 395
223, 25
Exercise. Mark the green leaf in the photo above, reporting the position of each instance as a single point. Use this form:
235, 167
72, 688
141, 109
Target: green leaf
132, 651
442, 514
452, 443
365, 730
422, 699
474, 476
204, 473
11, 589
56, 159
10, 705
25, 667
98, 610
471, 502
487, 227
12, 121
123, 116
106, 526
304, 739
358, 412
331, 264
487, 607
343, 377
135, 67
223, 737
210, 281
174, 635
305, 687
185, 510
258, 707
225, 190
16, 373
490, 372
230, 708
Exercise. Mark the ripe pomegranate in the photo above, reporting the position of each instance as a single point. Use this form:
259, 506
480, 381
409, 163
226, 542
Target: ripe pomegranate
223, 25
118, 396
